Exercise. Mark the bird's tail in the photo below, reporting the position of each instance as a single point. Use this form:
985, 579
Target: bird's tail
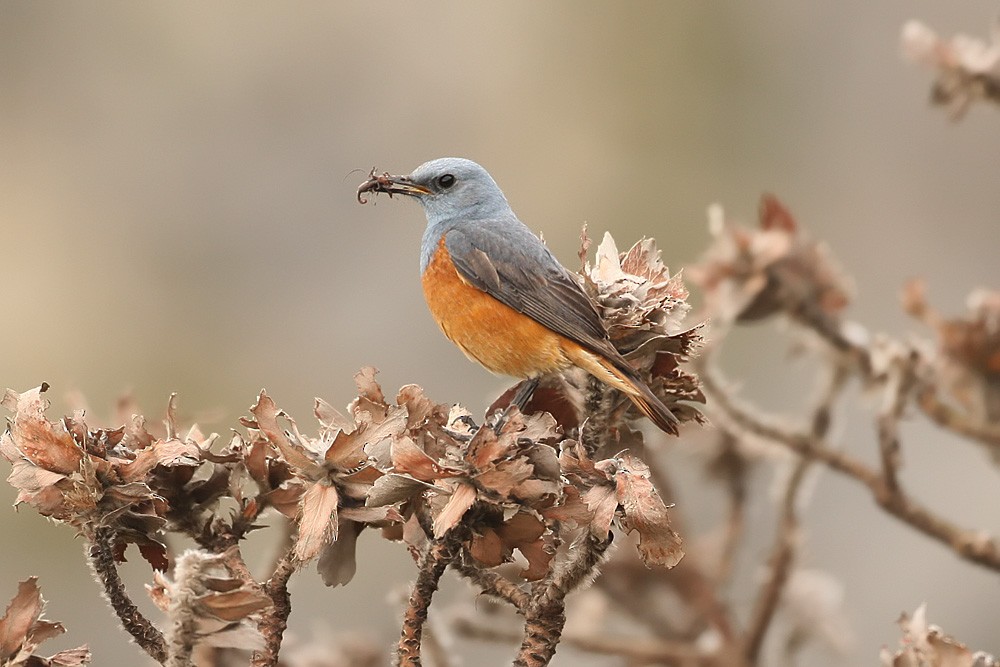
622, 377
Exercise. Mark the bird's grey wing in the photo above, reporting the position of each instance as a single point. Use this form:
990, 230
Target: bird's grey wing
514, 267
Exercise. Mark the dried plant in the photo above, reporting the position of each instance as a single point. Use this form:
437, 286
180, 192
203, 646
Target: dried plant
22, 629
926, 644
525, 505
456, 494
968, 69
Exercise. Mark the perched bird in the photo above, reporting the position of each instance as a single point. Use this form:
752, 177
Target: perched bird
498, 292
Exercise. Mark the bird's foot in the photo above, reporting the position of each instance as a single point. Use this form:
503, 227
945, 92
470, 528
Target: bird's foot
521, 398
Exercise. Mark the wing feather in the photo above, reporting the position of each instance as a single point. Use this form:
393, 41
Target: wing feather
522, 273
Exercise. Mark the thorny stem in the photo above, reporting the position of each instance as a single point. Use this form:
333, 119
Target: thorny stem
545, 616
102, 560
273, 623
970, 545
435, 560
491, 583
543, 626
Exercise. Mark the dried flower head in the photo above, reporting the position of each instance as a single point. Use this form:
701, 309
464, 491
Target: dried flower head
966, 362
749, 274
322, 482
492, 484
968, 69
91, 477
926, 644
618, 490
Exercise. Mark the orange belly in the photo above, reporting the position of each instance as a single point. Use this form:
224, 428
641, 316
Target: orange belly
488, 331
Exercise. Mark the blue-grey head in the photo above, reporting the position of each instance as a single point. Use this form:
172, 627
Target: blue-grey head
449, 188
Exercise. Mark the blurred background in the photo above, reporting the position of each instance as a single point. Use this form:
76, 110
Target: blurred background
177, 214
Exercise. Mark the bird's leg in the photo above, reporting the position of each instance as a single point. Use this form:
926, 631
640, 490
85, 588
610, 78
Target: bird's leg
521, 398
524, 394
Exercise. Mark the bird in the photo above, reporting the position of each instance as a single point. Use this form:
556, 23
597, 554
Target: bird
497, 291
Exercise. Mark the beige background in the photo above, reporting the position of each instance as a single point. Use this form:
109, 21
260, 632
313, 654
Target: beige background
177, 214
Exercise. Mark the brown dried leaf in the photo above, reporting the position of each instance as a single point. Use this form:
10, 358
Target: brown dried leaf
21, 615
458, 504
752, 274
331, 418
392, 488
338, 560
370, 397
372, 515
601, 503
168, 453
266, 415
645, 512
573, 510
221, 584
524, 532
135, 436
487, 548
521, 528
504, 477
539, 427
154, 553
28, 477
73, 657
967, 68
234, 605
255, 462
966, 365
45, 444
409, 459
223, 605
317, 520
22, 628
158, 592
368, 387
414, 536
286, 498
419, 408
486, 447
171, 419
349, 449
539, 556
775, 215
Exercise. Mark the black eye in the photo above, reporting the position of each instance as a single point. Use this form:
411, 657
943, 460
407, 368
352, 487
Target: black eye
446, 181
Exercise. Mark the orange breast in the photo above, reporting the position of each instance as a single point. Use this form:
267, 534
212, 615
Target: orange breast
488, 331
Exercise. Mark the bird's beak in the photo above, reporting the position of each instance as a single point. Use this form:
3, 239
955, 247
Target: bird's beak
391, 185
